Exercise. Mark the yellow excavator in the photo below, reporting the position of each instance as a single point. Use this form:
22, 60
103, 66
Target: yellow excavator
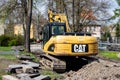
60, 44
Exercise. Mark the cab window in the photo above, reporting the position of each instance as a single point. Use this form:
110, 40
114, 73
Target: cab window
58, 30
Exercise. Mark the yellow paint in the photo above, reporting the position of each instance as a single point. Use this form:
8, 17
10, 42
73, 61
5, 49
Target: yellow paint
58, 17
63, 45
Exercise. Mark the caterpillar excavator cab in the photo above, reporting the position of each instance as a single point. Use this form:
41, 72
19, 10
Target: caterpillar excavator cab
59, 42
53, 29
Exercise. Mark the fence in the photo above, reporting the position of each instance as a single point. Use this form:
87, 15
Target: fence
113, 40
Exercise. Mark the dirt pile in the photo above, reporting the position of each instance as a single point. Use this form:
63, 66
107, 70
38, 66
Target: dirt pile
96, 70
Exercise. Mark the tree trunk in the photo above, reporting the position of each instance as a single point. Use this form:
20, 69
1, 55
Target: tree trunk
28, 24
78, 16
73, 10
65, 8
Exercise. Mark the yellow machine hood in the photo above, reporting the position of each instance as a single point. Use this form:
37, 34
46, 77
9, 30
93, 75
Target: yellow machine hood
74, 39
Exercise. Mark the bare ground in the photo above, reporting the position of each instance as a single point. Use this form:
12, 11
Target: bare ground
96, 70
4, 63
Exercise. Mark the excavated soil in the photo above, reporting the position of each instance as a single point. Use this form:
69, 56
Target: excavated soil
96, 70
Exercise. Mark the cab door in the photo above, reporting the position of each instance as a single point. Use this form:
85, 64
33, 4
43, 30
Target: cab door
46, 34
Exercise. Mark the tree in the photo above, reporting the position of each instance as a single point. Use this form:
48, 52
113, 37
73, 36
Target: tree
28, 19
117, 15
22, 10
117, 30
85, 12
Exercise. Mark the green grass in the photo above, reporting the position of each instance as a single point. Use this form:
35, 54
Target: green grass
51, 74
31, 54
109, 54
5, 48
8, 56
2, 72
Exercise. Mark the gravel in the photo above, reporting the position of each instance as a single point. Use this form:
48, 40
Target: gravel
96, 70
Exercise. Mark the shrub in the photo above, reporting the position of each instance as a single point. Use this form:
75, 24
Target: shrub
33, 40
4, 40
11, 40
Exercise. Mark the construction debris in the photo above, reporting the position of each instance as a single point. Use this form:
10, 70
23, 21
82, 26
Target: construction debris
27, 70
32, 64
25, 76
33, 77
24, 57
25, 66
9, 77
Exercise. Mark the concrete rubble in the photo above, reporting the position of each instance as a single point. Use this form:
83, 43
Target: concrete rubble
25, 70
18, 48
23, 67
25, 77
24, 57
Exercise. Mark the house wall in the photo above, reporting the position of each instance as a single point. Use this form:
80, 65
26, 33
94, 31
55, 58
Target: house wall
95, 31
18, 30
2, 29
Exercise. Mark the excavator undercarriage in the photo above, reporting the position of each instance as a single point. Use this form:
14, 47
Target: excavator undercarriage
52, 63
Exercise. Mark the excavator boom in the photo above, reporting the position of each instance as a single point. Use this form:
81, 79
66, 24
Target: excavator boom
58, 17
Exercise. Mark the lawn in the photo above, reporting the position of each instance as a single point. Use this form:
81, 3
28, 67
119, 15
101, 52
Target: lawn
109, 54
8, 56
5, 48
5, 60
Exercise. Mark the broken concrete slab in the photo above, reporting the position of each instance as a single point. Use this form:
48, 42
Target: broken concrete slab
42, 77
12, 68
22, 68
29, 69
24, 57
9, 77
25, 76
32, 64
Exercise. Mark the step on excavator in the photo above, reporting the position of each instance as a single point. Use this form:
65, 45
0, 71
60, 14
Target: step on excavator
60, 45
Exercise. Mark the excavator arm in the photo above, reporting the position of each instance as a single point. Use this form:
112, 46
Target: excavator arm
58, 17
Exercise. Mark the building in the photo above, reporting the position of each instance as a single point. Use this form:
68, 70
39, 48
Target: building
2, 29
95, 30
18, 30
92, 28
